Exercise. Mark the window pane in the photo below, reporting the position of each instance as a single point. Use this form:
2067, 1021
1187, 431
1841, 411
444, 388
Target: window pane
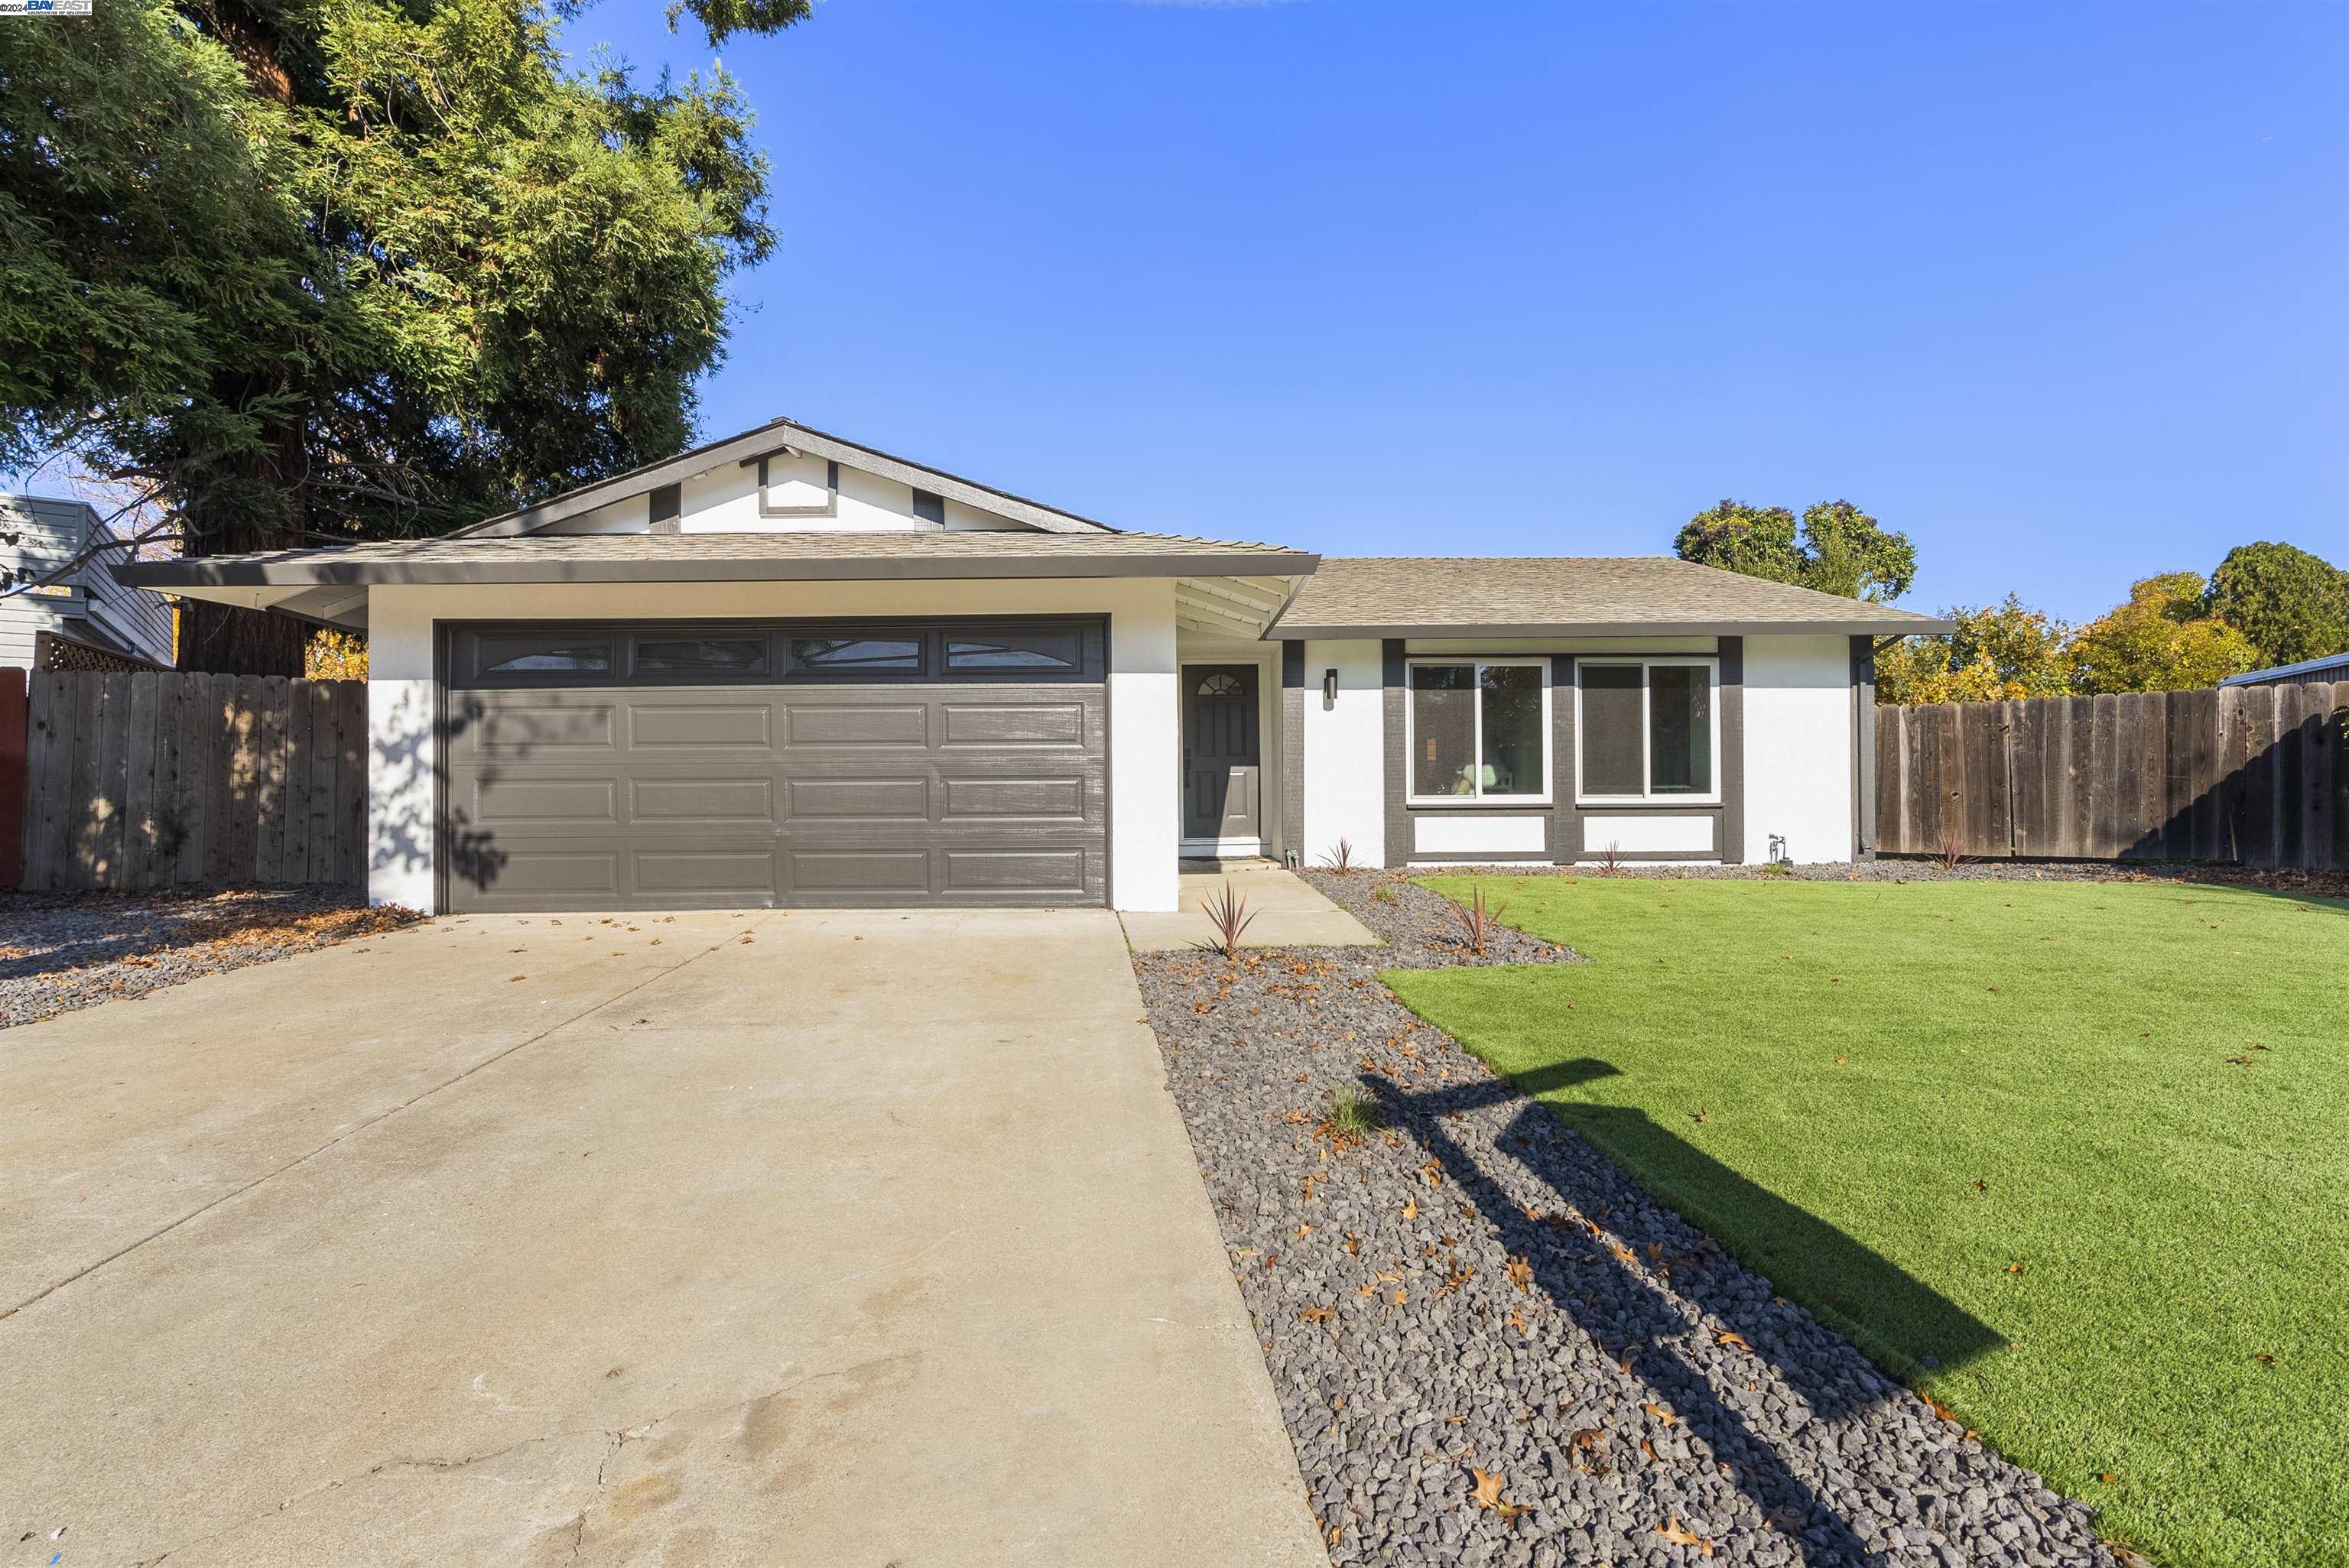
1443, 730
1014, 651
856, 655
703, 655
1610, 730
1513, 729
1679, 743
520, 656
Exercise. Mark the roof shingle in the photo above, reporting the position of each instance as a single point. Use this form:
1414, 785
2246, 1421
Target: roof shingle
1561, 595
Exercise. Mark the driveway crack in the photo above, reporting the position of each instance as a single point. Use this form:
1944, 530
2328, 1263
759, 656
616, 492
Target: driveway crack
353, 1130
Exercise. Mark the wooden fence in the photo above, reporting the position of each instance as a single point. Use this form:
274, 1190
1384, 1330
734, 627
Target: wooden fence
135, 781
2255, 776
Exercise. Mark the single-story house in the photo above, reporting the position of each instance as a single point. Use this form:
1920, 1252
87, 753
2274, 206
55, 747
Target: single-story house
785, 668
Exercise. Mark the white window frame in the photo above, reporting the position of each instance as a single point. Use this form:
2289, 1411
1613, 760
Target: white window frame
1476, 742
1644, 663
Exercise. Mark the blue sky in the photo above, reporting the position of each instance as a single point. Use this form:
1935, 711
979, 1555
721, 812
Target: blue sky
2062, 290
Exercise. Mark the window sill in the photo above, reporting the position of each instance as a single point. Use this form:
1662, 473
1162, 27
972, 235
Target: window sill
1644, 802
1487, 802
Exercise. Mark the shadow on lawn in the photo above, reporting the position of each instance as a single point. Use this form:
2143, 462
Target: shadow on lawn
1643, 1326
1916, 1324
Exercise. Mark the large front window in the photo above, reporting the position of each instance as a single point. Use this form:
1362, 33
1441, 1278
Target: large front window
1479, 730
1647, 730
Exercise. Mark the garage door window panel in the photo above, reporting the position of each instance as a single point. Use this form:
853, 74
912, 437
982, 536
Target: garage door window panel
853, 655
710, 657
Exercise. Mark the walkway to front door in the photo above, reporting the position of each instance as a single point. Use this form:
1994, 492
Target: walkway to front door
1222, 761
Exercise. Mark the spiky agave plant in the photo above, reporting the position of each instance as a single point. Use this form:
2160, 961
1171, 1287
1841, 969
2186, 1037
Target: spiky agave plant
1228, 913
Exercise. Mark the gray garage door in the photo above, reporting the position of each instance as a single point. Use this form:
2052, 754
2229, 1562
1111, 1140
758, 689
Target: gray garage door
657, 765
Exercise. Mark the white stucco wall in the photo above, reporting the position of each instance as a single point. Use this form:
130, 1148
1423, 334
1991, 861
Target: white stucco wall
1798, 748
1345, 765
1144, 780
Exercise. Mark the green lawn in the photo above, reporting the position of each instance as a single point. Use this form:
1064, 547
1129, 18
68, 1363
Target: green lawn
1907, 1089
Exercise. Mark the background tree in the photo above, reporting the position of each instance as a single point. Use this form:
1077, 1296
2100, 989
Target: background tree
357, 268
2159, 641
2290, 606
1755, 541
1837, 549
2000, 652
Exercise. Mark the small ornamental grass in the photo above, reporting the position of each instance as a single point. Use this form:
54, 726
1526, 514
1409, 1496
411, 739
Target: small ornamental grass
1354, 1115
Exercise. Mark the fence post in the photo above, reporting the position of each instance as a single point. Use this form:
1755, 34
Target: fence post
14, 712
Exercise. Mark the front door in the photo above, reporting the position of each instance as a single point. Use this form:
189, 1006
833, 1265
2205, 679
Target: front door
1221, 763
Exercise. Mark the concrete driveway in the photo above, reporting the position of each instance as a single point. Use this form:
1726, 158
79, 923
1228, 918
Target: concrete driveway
774, 1239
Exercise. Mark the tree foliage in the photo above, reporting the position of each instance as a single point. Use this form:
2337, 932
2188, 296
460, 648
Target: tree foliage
1837, 549
2000, 652
2289, 605
359, 267
2159, 641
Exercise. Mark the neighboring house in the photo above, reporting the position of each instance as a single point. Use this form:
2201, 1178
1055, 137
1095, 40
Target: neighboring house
2308, 672
788, 669
85, 619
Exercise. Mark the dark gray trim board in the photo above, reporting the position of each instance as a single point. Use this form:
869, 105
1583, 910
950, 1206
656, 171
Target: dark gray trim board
668, 504
1863, 744
1291, 847
1393, 672
1732, 837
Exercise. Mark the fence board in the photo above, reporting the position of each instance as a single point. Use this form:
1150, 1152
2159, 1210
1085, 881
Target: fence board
294, 851
190, 793
2255, 774
48, 778
139, 833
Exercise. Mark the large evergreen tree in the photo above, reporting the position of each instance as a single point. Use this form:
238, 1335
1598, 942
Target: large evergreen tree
357, 268
2291, 605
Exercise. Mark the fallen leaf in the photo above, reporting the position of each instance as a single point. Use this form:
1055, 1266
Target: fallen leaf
2014, 1268
1518, 1322
1649, 1450
2107, 1477
1303, 1232
1314, 1315
1353, 1245
1400, 1298
1981, 1186
517, 978
1678, 1537
1731, 1337
1487, 1495
2263, 1359
1521, 1274
1410, 1210
1666, 1417
1700, 1114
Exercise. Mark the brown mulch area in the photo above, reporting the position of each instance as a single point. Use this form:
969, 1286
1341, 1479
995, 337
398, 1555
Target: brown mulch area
60, 952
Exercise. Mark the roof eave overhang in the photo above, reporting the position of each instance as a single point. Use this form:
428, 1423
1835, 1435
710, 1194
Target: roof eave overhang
1288, 633
195, 576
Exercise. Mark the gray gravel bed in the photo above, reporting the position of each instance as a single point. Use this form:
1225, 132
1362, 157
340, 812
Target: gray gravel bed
59, 951
1475, 1289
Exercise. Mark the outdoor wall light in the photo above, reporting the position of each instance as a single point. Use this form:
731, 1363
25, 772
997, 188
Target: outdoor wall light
1329, 689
